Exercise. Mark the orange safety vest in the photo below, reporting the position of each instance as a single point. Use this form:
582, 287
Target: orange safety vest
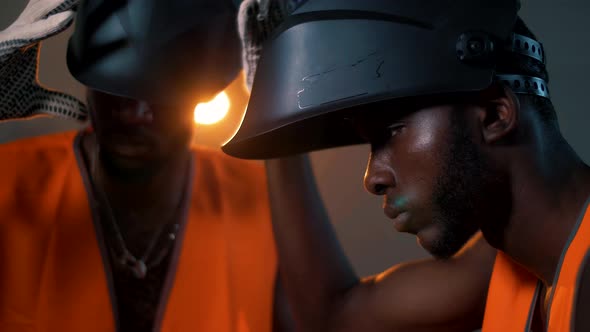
513, 292
54, 273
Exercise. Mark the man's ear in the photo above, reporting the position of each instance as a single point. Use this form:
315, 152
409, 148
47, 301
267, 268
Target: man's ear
501, 114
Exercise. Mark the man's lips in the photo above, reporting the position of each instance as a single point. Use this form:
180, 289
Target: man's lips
400, 219
131, 144
391, 212
132, 150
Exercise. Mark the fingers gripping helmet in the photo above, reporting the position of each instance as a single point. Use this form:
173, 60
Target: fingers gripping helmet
169, 51
330, 56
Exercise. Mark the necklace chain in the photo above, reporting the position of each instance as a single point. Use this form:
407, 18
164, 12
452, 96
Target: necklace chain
122, 255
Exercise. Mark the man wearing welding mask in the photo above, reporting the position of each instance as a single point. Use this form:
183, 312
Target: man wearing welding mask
124, 226
466, 151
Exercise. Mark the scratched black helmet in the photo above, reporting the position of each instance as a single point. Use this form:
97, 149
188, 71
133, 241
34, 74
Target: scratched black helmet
331, 56
170, 51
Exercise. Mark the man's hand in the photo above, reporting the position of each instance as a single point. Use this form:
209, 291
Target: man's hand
257, 19
39, 20
21, 95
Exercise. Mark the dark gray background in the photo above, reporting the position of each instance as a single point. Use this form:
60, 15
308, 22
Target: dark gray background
368, 237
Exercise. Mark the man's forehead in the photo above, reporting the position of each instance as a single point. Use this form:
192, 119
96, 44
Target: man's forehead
396, 109
387, 111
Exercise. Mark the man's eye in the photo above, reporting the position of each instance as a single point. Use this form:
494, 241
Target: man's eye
394, 129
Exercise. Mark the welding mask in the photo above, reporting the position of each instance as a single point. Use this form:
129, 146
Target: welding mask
163, 51
330, 57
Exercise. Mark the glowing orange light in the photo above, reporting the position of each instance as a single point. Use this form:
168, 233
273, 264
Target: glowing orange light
213, 111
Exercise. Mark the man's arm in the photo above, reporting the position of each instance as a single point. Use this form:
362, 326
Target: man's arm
324, 292
282, 319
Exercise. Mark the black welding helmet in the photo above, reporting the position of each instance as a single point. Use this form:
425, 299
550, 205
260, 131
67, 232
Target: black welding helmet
330, 56
168, 51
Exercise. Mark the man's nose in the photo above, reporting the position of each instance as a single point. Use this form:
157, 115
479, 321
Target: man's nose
379, 175
135, 112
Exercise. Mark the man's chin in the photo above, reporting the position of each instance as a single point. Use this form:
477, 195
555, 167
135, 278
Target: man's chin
129, 168
439, 253
439, 247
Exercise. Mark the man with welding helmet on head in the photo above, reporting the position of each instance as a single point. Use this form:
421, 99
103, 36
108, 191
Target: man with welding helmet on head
466, 151
125, 226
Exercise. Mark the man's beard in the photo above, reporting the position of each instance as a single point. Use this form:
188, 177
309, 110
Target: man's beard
140, 171
117, 170
465, 192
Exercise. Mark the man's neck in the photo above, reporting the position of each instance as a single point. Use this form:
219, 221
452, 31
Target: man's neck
159, 192
546, 207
